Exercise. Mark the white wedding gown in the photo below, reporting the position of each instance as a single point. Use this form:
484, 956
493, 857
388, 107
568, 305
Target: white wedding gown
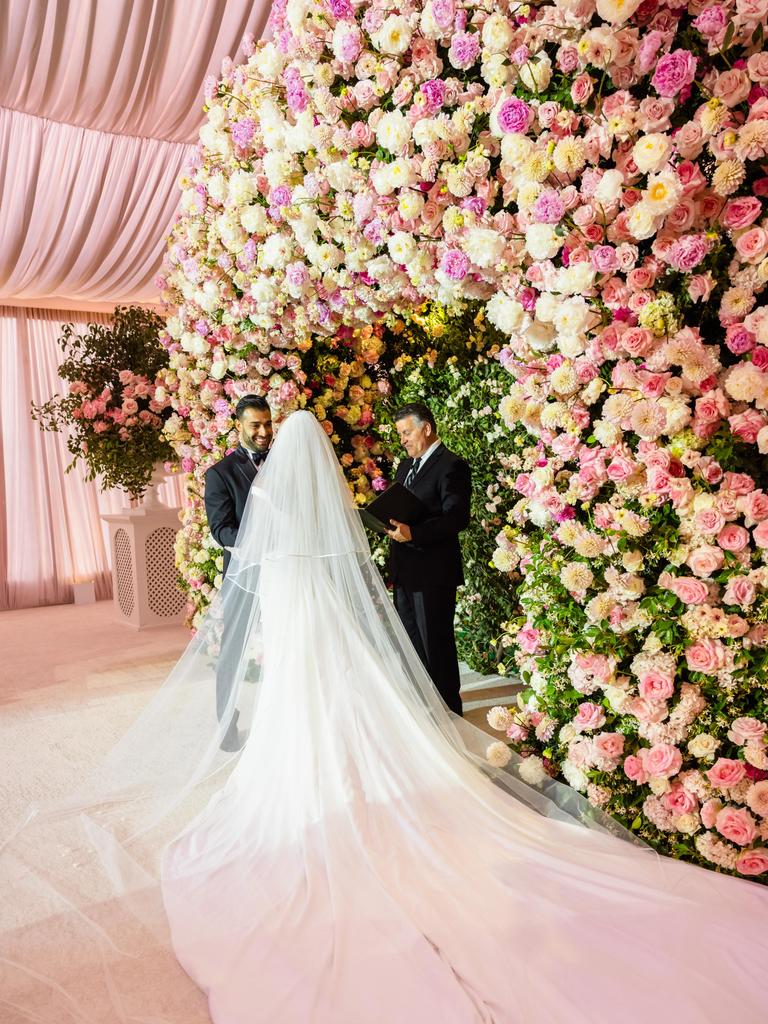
359, 863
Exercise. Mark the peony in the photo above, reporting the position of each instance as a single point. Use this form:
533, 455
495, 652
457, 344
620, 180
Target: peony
673, 72
394, 36
513, 115
464, 50
651, 152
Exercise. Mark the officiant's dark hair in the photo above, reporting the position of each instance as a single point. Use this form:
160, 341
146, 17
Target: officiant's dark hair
419, 411
251, 402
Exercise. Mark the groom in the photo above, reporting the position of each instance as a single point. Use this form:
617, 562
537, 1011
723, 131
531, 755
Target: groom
227, 484
425, 558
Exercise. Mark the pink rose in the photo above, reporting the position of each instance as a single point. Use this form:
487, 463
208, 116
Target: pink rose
737, 825
709, 812
655, 685
760, 534
679, 801
709, 521
733, 537
634, 770
609, 745
754, 506
726, 772
740, 213
732, 87
740, 591
529, 640
746, 730
689, 590
705, 560
738, 483
706, 655
649, 711
620, 468
663, 760
589, 716
582, 88
754, 861
747, 425
752, 246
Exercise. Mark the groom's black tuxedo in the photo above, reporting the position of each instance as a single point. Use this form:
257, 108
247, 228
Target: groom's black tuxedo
427, 570
227, 484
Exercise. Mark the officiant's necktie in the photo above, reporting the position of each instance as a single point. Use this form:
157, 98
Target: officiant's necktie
412, 472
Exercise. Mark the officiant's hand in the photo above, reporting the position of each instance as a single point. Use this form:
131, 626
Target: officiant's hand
401, 532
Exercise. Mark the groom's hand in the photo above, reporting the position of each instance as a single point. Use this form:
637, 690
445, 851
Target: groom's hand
401, 532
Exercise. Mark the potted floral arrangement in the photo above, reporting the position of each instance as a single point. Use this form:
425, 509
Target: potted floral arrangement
112, 410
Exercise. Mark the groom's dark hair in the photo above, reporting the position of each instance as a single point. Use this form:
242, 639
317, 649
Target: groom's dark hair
251, 402
420, 411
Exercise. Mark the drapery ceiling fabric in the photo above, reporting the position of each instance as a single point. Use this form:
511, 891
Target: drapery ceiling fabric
100, 103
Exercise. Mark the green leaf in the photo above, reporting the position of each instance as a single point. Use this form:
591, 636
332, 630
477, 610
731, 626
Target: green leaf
636, 823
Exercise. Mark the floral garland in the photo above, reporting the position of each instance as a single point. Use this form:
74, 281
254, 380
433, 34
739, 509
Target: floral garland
594, 174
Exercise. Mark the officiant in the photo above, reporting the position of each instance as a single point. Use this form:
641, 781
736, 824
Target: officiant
425, 562
227, 485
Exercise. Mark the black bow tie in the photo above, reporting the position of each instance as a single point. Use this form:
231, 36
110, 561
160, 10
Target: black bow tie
256, 457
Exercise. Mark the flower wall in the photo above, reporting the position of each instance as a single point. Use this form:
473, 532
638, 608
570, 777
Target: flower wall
592, 177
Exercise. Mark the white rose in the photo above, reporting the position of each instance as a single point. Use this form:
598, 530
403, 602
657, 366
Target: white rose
497, 33
542, 242
651, 152
394, 36
659, 786
495, 70
214, 141
401, 173
567, 733
218, 369
217, 187
536, 74
505, 313
531, 770
609, 188
484, 246
703, 746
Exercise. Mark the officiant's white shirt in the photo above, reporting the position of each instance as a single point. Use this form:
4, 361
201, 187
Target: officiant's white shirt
423, 458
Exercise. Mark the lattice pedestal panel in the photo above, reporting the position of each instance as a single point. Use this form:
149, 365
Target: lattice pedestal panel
145, 592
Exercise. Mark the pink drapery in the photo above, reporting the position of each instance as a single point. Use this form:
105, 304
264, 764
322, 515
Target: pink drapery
50, 532
100, 103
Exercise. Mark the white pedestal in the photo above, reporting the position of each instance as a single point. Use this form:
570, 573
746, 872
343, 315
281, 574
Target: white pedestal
84, 592
145, 592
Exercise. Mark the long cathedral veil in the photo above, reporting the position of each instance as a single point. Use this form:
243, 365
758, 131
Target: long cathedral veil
314, 660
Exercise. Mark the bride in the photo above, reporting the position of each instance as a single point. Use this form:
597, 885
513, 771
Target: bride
359, 861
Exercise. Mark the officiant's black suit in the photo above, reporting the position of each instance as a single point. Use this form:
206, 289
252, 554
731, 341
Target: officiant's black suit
427, 570
227, 484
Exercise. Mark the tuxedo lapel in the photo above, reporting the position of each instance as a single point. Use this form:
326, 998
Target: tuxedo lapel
245, 466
